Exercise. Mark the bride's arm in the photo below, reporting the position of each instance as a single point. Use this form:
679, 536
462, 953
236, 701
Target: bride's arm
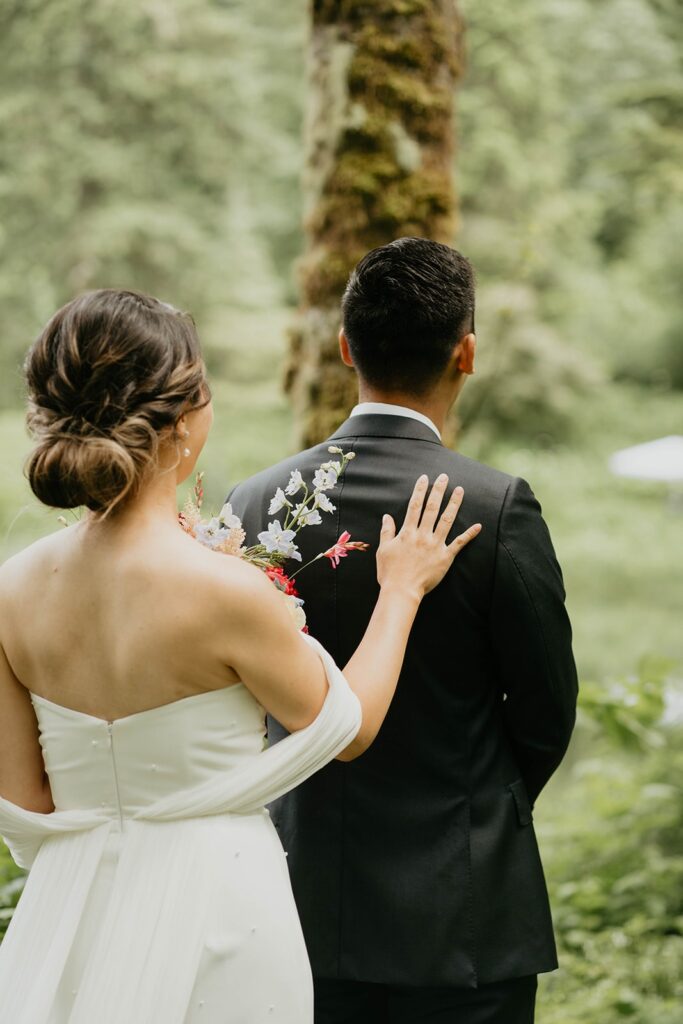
285, 674
22, 771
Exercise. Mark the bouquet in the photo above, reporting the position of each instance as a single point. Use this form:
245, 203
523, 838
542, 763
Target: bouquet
299, 505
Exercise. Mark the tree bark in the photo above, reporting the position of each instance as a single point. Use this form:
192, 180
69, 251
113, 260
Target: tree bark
379, 165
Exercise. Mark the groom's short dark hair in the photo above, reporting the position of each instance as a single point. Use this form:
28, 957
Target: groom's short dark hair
406, 306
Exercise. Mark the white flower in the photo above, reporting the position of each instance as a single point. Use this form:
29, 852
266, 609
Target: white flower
350, 455
333, 450
279, 541
311, 518
306, 516
210, 534
277, 502
295, 608
228, 518
296, 482
326, 477
323, 502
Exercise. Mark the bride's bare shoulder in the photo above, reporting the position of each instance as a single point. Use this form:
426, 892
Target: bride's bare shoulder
24, 574
34, 558
226, 579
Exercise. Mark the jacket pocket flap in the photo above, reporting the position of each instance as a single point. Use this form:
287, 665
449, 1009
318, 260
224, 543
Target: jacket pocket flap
518, 790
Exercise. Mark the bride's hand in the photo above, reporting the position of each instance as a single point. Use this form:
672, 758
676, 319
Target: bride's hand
416, 558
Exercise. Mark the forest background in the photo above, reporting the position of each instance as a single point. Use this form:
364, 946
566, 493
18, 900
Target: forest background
158, 145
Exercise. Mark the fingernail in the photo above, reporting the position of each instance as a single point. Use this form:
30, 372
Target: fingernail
459, 490
443, 478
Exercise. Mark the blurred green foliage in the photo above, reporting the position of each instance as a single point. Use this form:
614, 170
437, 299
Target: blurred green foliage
571, 174
615, 861
152, 145
158, 145
11, 884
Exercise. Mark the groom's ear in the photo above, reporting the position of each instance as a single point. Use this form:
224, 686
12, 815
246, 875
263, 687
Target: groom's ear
463, 354
345, 349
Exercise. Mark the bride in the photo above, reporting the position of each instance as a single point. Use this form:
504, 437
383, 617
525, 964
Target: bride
136, 667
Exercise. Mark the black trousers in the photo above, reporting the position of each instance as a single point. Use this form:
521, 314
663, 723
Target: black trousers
358, 1002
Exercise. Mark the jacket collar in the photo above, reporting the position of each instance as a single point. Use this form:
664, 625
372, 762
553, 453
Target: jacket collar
369, 425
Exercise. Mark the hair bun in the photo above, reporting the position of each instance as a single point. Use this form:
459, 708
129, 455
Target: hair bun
110, 373
68, 472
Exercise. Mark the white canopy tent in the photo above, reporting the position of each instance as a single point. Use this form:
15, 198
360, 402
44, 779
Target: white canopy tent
655, 460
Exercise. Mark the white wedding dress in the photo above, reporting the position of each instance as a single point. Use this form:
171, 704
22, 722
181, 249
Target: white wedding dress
158, 891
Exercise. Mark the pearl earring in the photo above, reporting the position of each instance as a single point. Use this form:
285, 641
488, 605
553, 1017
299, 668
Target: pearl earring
186, 451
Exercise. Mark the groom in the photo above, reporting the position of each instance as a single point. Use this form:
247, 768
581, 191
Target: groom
415, 867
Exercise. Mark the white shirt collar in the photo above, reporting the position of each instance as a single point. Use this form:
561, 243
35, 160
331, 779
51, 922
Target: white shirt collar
387, 409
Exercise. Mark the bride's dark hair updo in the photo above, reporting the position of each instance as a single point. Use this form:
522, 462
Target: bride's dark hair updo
109, 375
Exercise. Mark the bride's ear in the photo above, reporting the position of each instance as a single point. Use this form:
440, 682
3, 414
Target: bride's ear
181, 430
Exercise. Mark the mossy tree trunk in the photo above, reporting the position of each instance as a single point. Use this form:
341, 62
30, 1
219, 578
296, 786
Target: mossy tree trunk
379, 165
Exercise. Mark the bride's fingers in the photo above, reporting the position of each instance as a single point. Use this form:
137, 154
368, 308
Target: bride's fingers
416, 502
388, 531
463, 539
449, 515
433, 505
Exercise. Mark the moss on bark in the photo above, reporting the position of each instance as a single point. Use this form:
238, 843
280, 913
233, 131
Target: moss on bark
379, 166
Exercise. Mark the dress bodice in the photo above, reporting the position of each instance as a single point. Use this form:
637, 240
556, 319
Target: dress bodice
158, 889
125, 765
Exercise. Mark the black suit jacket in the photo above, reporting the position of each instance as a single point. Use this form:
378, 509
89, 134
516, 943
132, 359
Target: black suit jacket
417, 863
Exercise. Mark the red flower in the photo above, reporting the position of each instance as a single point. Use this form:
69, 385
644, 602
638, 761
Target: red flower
281, 580
342, 548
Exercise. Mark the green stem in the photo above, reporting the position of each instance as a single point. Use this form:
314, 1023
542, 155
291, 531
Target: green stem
306, 565
288, 513
254, 550
289, 523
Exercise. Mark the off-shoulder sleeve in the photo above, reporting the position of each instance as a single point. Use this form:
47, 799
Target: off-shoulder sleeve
243, 790
279, 768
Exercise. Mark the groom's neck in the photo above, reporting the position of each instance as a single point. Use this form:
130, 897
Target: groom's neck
435, 404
